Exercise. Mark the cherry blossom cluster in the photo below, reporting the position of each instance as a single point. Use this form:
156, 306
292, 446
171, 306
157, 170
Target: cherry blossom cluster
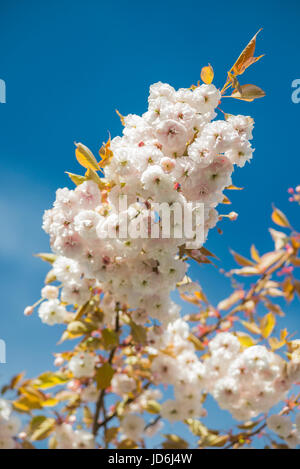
9, 425
68, 438
173, 153
246, 382
283, 426
177, 363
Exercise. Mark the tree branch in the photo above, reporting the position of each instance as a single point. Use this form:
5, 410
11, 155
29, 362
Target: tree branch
100, 401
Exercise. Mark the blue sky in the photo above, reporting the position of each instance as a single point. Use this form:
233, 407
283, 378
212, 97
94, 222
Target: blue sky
69, 64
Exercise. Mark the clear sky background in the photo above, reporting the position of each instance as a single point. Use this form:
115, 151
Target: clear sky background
69, 64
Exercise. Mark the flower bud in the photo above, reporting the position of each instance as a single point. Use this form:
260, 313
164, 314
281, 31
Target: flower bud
233, 216
28, 310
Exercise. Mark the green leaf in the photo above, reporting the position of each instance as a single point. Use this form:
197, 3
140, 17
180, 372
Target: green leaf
110, 338
77, 328
139, 333
41, 427
153, 407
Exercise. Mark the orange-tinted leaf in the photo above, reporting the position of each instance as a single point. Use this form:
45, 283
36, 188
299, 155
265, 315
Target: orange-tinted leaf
254, 253
105, 153
121, 117
234, 188
207, 74
246, 58
276, 344
279, 218
241, 260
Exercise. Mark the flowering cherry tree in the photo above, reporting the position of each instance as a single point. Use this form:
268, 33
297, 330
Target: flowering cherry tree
112, 293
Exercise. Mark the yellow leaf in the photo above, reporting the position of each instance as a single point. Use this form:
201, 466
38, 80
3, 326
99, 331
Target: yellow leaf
49, 379
110, 338
41, 427
226, 200
106, 154
267, 325
127, 444
197, 428
254, 253
207, 74
111, 433
50, 277
174, 442
50, 402
87, 416
279, 218
93, 176
245, 339
139, 333
276, 344
194, 300
76, 178
196, 342
288, 289
13, 383
77, 328
248, 425
85, 157
252, 327
82, 310
241, 260
153, 407
32, 393
121, 117
234, 188
214, 441
200, 296
47, 256
104, 376
26, 404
